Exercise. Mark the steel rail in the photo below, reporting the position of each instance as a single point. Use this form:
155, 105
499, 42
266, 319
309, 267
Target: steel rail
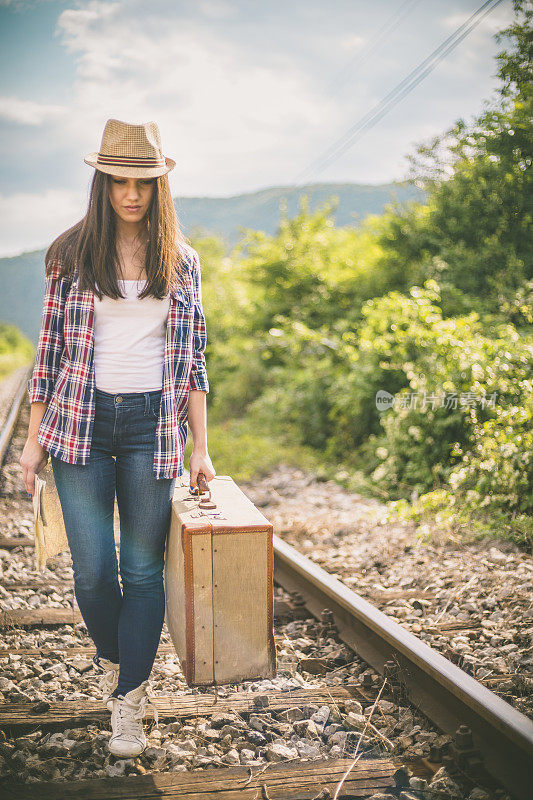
9, 425
442, 691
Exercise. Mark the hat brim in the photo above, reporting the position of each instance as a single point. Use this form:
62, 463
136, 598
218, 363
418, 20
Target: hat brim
130, 172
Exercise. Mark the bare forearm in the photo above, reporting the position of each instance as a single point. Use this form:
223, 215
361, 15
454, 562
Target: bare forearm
197, 418
34, 457
37, 410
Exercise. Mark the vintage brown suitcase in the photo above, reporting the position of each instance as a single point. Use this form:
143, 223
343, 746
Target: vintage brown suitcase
219, 585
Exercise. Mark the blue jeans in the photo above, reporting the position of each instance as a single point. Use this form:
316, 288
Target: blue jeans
125, 624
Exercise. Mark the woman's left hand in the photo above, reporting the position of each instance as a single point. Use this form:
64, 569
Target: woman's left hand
200, 462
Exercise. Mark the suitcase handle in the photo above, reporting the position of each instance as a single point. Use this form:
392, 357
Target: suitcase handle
203, 486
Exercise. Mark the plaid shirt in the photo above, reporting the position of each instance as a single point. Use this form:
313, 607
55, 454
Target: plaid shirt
63, 373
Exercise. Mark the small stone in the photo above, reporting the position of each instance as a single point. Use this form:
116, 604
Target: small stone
385, 706
315, 666
24, 743
279, 751
382, 797
80, 749
232, 730
256, 738
354, 706
478, 794
172, 727
81, 666
355, 722
338, 738
443, 783
213, 735
292, 714
40, 708
329, 730
189, 744
223, 718
420, 784
115, 770
69, 744
307, 749
405, 741
262, 701
231, 757
177, 753
154, 752
307, 728
320, 717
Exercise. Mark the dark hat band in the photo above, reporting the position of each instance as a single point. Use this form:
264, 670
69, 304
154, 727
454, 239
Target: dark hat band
131, 161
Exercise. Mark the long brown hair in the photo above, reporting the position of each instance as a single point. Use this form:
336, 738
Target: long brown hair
90, 244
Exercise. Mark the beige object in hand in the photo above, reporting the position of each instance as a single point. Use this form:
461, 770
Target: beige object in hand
50, 533
219, 585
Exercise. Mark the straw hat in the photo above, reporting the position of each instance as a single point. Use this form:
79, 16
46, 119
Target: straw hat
131, 151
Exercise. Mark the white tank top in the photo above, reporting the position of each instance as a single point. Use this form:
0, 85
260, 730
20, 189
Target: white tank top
129, 340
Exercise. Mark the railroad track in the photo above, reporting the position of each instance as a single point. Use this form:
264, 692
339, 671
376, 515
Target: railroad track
446, 694
8, 424
487, 730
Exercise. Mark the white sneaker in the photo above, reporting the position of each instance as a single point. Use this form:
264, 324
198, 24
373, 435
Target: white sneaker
127, 711
109, 680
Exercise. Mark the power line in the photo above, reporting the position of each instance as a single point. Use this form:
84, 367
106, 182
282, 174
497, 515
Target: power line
410, 82
373, 44
402, 89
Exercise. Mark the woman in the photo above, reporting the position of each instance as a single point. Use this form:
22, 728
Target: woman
119, 374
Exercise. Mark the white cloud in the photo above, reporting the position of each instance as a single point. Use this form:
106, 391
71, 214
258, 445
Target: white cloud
216, 105
28, 112
351, 41
491, 23
217, 9
32, 221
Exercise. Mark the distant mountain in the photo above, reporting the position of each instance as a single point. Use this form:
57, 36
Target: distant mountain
261, 210
21, 298
22, 276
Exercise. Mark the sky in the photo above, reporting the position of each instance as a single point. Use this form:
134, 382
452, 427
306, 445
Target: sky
247, 94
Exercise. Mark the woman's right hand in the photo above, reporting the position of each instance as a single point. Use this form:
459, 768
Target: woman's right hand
34, 457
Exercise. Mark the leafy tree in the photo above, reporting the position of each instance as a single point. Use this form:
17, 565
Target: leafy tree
476, 234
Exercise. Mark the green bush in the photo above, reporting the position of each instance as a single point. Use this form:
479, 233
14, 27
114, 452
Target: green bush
15, 349
462, 387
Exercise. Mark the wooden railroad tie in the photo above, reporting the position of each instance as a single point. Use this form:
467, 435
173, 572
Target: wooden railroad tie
68, 652
10, 542
55, 714
47, 616
296, 780
39, 617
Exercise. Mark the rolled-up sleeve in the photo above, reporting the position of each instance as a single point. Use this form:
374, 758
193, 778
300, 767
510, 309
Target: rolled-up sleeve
198, 377
50, 344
